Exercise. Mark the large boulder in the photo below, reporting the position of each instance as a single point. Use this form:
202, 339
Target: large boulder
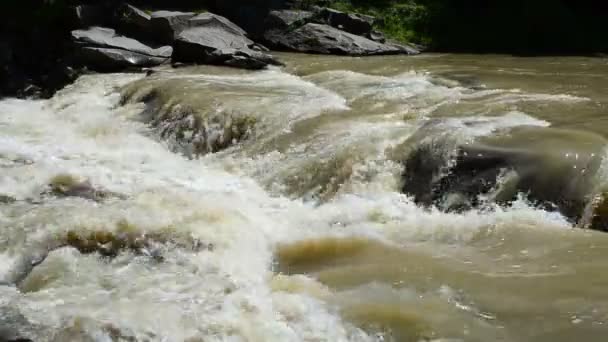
212, 20
101, 48
324, 39
358, 24
216, 45
284, 19
131, 20
249, 14
167, 25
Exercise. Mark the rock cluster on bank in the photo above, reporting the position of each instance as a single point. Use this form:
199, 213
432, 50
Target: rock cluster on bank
113, 36
327, 31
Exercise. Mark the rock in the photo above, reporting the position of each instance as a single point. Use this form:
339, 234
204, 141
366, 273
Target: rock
404, 49
596, 214
133, 21
5, 199
167, 25
213, 20
324, 39
358, 24
89, 15
102, 49
286, 18
249, 15
377, 36
554, 169
186, 127
215, 45
65, 185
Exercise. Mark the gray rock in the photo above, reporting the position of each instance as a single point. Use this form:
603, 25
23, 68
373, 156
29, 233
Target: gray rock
133, 21
324, 39
404, 49
101, 48
167, 25
377, 36
285, 19
359, 24
210, 19
216, 45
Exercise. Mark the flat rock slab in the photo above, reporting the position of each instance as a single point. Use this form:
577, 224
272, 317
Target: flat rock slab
215, 45
106, 37
101, 48
209, 19
324, 39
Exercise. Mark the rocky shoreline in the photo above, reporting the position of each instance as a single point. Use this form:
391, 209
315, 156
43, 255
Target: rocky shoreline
117, 36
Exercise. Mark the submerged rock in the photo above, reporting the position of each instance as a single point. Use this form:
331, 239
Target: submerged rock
101, 48
65, 185
186, 127
554, 169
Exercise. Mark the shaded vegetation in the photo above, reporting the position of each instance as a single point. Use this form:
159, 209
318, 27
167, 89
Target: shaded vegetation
518, 26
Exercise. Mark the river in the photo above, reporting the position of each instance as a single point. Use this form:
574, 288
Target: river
302, 231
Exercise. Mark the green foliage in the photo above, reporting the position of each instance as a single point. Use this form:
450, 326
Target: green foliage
520, 26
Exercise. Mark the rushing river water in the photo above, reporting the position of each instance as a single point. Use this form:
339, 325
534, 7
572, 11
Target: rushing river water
301, 231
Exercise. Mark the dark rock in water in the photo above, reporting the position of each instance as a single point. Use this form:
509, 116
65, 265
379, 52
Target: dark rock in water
102, 49
65, 185
357, 24
286, 18
216, 45
324, 39
167, 25
185, 127
529, 162
5, 199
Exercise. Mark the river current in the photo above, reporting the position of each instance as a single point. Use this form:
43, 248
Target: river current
301, 230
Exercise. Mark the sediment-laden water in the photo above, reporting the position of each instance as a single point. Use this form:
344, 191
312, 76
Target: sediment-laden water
428, 198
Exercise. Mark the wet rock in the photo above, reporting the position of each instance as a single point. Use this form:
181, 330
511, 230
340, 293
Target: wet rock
555, 172
324, 39
215, 45
596, 213
357, 24
188, 128
194, 134
5, 199
102, 49
65, 185
167, 25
